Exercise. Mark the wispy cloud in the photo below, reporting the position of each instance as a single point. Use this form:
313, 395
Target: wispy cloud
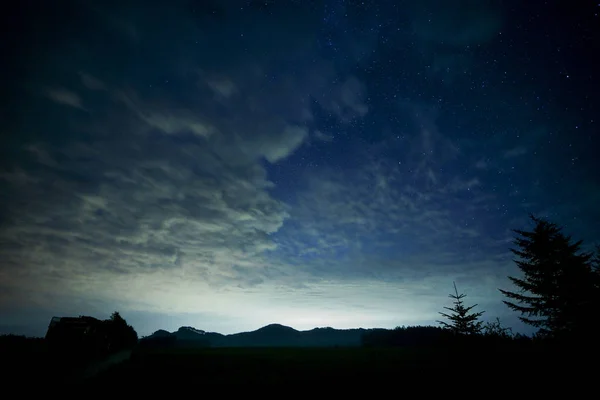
515, 152
352, 227
91, 82
456, 26
322, 136
414, 240
481, 164
65, 97
224, 88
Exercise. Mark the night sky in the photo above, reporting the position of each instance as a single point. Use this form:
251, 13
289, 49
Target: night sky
229, 164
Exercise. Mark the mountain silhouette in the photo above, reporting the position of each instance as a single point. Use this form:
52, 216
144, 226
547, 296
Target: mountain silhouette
272, 335
161, 333
276, 329
267, 336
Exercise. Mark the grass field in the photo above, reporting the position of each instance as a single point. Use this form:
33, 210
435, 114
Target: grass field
147, 369
323, 365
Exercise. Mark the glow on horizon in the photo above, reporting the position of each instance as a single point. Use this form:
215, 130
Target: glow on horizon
176, 301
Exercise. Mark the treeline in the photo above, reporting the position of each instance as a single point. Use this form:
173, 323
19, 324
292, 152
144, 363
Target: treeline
407, 336
557, 292
438, 337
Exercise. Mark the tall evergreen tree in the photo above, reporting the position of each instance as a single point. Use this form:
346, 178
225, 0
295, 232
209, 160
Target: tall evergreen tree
556, 291
462, 320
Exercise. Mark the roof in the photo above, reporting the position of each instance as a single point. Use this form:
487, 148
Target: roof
81, 322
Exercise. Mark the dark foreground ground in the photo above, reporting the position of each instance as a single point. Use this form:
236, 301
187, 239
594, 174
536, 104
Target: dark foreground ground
147, 370
318, 366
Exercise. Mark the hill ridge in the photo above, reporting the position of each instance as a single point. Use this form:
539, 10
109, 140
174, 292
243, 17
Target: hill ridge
273, 334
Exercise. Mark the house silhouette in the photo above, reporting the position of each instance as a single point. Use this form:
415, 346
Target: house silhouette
81, 333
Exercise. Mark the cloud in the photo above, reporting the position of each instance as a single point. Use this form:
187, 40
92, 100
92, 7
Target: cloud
515, 152
481, 164
65, 97
222, 87
158, 198
91, 82
379, 228
344, 99
429, 150
460, 23
347, 218
170, 122
146, 212
351, 94
290, 139
323, 137
458, 184
447, 31
18, 177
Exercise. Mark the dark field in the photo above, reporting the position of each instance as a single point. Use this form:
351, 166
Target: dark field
26, 361
332, 365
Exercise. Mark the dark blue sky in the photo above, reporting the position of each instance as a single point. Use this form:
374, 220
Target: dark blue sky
227, 164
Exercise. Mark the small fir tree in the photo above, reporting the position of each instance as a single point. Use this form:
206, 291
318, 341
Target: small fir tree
461, 319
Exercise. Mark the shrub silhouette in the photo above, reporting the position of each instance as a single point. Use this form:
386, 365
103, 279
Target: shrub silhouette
494, 329
121, 335
407, 336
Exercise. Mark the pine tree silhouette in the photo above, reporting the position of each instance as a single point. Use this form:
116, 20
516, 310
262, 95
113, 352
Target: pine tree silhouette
462, 321
557, 291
